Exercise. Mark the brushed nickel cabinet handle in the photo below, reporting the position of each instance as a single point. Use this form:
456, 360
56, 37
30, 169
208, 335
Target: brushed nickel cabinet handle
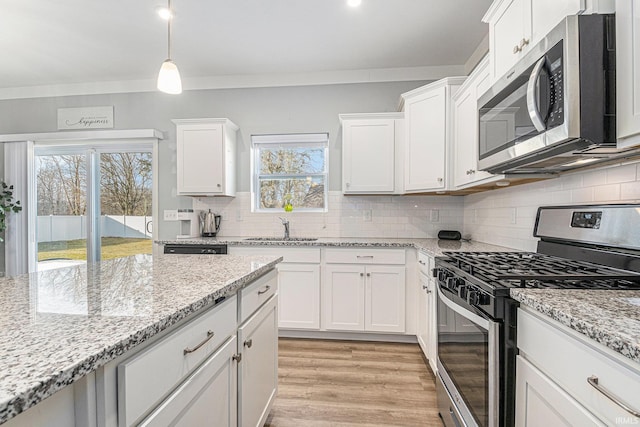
248, 343
421, 262
266, 289
368, 274
594, 382
237, 357
188, 350
361, 274
523, 43
364, 256
516, 49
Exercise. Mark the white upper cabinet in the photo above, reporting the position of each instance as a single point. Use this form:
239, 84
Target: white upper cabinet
370, 147
517, 25
628, 72
206, 157
427, 133
464, 159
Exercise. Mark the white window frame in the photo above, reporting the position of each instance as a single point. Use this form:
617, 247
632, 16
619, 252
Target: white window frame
310, 140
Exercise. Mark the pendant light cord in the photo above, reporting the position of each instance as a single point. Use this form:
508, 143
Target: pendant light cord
169, 30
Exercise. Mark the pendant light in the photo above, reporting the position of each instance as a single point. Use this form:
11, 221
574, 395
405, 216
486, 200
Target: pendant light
169, 76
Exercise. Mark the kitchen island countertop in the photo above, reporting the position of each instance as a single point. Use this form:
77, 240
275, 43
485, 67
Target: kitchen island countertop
58, 325
609, 317
433, 247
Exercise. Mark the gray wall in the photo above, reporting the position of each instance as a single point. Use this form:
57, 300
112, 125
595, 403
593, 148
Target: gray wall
255, 111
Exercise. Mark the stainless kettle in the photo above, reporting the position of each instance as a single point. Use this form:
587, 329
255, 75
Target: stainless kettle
209, 224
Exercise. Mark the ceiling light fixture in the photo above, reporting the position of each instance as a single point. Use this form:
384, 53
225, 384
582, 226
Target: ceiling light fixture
354, 3
169, 76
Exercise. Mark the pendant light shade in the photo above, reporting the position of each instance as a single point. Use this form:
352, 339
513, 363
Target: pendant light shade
169, 76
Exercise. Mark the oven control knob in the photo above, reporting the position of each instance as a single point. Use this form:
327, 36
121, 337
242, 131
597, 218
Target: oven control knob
473, 297
462, 291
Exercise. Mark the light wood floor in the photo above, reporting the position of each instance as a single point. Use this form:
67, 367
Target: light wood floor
351, 383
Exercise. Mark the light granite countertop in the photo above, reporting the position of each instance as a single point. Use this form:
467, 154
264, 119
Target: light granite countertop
611, 318
433, 247
58, 325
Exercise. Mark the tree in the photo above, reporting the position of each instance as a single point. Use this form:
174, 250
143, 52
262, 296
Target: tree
62, 183
126, 183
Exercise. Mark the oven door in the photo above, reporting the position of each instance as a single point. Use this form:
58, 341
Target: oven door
468, 364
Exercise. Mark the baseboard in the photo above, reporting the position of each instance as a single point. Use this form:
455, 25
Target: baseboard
349, 336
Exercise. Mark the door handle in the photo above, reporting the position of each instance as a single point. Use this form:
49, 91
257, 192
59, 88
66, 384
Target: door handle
594, 382
188, 350
532, 105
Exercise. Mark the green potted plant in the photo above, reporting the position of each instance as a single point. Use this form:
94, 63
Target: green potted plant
7, 205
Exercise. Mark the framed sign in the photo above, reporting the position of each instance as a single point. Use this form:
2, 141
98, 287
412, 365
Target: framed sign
85, 118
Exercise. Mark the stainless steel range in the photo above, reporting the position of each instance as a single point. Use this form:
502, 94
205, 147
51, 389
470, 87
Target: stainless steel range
581, 247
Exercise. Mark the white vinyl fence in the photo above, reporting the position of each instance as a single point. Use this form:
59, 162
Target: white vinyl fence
52, 228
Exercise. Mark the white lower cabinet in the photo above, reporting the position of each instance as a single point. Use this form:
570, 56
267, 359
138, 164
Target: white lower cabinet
553, 372
299, 293
364, 298
258, 366
427, 326
541, 402
207, 397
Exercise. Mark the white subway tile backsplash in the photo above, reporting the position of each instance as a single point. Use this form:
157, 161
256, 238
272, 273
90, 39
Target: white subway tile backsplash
391, 217
623, 173
616, 184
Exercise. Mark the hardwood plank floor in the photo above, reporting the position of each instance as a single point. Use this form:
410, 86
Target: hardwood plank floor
352, 383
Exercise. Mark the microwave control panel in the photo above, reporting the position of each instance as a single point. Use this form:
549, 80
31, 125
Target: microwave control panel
554, 66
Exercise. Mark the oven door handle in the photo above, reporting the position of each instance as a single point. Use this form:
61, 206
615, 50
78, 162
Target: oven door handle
532, 105
478, 320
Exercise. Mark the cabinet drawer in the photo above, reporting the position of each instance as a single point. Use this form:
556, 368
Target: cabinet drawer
570, 361
148, 376
364, 256
293, 255
425, 263
256, 294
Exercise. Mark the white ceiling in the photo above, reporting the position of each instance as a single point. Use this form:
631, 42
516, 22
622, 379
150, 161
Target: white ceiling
49, 46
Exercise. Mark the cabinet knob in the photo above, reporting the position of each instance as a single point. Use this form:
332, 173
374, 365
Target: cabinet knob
361, 274
440, 179
523, 43
237, 357
248, 343
471, 171
368, 274
218, 185
517, 49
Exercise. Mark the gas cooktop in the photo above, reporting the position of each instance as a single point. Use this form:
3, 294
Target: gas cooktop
535, 270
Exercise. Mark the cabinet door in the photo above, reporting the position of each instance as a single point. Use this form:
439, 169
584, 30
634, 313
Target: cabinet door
343, 298
200, 159
207, 397
368, 156
425, 120
542, 403
628, 70
299, 296
384, 299
465, 129
507, 30
432, 326
546, 14
423, 313
258, 368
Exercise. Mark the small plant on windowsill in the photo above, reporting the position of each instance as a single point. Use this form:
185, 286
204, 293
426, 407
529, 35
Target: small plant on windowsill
7, 205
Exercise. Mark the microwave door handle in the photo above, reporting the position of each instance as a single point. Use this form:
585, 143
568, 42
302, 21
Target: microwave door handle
532, 105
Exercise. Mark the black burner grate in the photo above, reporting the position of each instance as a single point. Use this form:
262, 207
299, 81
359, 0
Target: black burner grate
533, 270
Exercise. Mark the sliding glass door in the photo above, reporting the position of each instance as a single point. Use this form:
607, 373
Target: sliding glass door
93, 202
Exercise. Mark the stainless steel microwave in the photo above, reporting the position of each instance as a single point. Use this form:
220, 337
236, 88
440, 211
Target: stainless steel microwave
555, 109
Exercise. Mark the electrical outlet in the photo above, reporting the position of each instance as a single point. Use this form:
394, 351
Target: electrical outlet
435, 215
170, 214
366, 215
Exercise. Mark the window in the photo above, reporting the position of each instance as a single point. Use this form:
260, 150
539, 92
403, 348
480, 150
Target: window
290, 170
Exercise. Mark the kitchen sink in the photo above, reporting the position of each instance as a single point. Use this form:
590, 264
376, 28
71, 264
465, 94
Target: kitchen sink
282, 239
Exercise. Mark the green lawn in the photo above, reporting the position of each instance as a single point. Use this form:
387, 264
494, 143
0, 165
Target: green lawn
112, 247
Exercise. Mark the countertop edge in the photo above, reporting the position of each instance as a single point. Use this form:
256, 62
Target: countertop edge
589, 330
57, 381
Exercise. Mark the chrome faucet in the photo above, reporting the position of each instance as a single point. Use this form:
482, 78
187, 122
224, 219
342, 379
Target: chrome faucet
285, 222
